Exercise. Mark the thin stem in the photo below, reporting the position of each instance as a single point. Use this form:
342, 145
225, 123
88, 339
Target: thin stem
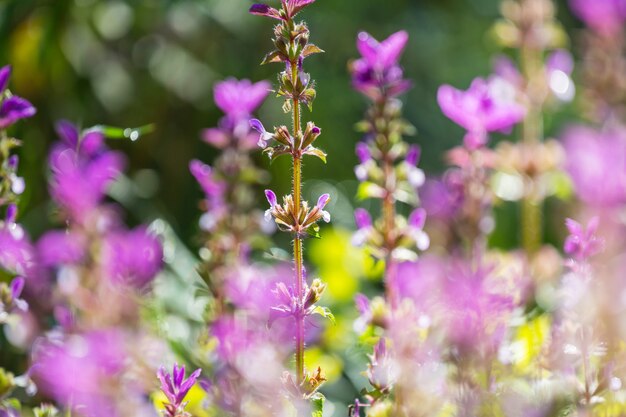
297, 243
532, 132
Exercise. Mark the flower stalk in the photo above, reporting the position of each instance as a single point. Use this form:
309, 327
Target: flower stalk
294, 216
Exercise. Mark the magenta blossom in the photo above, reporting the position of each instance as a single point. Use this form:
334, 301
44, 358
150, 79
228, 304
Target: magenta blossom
596, 162
604, 16
86, 143
175, 387
239, 99
132, 257
582, 243
80, 185
12, 108
76, 370
377, 74
16, 251
61, 248
291, 8
487, 106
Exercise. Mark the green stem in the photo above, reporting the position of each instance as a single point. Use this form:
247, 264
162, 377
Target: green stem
532, 132
297, 243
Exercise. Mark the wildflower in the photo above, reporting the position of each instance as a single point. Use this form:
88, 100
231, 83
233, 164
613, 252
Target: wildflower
487, 106
377, 74
61, 248
175, 387
285, 217
12, 108
132, 257
265, 136
594, 158
582, 243
290, 9
606, 17
10, 300
417, 219
363, 222
238, 99
86, 143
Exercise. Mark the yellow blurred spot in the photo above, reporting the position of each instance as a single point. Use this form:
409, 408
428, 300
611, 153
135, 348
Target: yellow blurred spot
531, 338
331, 365
196, 398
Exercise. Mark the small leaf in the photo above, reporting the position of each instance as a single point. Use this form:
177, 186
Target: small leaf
314, 231
326, 313
274, 56
316, 152
317, 405
311, 49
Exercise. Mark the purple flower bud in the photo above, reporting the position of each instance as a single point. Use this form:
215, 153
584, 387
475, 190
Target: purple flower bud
316, 130
265, 136
68, 133
271, 198
13, 109
13, 162
363, 152
5, 74
17, 286
362, 218
417, 219
11, 213
321, 203
413, 155
260, 9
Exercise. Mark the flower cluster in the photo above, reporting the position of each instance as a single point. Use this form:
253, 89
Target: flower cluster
292, 47
229, 221
176, 387
91, 273
387, 166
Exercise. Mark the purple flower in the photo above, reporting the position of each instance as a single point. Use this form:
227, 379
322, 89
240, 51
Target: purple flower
132, 257
265, 136
415, 176
86, 143
16, 251
5, 74
80, 185
417, 219
11, 214
596, 162
582, 243
292, 7
363, 222
239, 99
321, 203
75, 369
61, 248
16, 287
213, 188
271, 198
13, 109
377, 74
604, 16
487, 106
175, 387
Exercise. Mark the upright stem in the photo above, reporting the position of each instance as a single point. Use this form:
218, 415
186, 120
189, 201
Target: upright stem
531, 63
297, 242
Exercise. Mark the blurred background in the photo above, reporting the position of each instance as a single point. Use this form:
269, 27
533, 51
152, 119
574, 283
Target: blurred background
129, 63
134, 62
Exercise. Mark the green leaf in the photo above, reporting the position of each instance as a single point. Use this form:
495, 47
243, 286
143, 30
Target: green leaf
317, 405
325, 312
311, 49
274, 56
112, 132
316, 152
314, 231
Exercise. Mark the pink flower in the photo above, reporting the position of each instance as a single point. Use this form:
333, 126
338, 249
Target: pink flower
238, 99
487, 106
596, 162
582, 243
604, 16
